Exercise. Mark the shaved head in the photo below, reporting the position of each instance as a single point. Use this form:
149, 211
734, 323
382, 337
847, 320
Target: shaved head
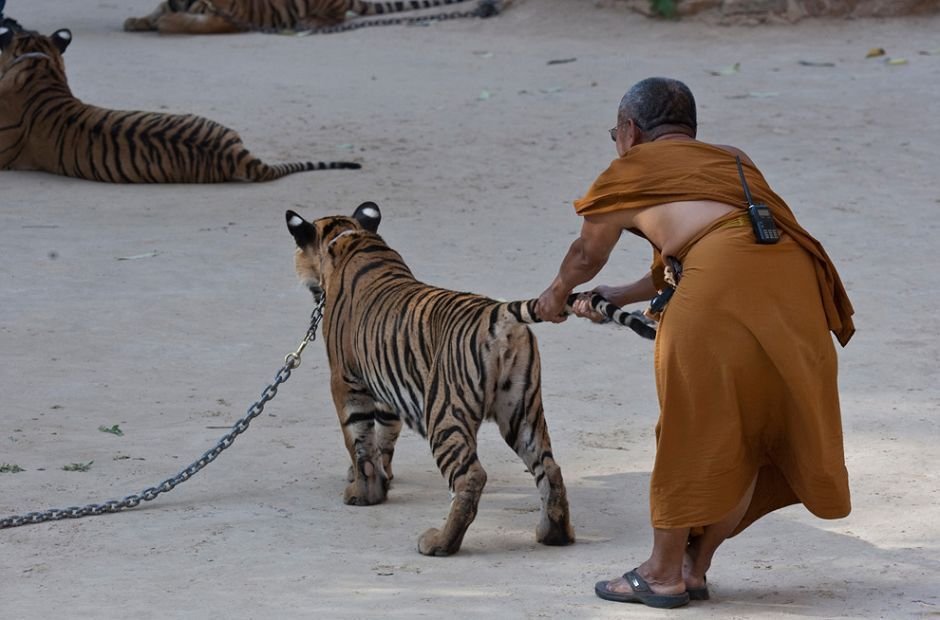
659, 106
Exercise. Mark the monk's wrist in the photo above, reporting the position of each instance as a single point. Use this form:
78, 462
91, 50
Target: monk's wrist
560, 290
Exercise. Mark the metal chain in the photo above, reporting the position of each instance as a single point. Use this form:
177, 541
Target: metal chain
291, 361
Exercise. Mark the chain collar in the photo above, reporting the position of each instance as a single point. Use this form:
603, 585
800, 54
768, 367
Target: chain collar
293, 359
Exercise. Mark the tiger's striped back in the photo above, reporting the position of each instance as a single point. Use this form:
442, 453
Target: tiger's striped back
43, 126
407, 327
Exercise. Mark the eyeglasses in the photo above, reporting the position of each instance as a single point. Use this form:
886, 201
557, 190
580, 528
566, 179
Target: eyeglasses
613, 130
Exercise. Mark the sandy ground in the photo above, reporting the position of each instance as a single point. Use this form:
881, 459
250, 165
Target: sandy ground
474, 146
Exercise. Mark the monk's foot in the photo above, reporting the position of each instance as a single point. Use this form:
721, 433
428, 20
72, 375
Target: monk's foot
658, 582
694, 583
634, 588
692, 574
621, 586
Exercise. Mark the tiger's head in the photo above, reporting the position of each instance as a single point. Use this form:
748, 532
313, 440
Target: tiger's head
316, 240
20, 45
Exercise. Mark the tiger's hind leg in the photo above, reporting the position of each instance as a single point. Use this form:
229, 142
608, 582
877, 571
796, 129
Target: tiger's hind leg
519, 413
453, 443
358, 414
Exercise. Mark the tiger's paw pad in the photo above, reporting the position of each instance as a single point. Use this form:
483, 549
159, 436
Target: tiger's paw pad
430, 544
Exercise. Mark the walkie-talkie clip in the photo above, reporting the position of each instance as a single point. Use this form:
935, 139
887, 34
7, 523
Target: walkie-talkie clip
762, 221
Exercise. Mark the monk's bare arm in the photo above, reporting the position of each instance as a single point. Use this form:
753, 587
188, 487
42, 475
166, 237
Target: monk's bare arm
585, 258
588, 254
641, 290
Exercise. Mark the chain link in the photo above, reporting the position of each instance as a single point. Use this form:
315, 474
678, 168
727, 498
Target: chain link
291, 361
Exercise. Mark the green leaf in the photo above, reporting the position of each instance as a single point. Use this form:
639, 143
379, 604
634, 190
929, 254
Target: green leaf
114, 430
77, 466
664, 8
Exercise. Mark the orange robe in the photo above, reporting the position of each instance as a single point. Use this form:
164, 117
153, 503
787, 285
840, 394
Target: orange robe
745, 366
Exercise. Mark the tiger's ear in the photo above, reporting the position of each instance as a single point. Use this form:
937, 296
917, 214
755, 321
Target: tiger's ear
61, 39
6, 37
303, 231
368, 215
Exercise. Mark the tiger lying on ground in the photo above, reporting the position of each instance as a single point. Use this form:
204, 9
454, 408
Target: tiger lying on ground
44, 127
225, 16
440, 360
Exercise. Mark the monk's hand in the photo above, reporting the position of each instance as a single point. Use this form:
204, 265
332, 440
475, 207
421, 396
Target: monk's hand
582, 307
551, 306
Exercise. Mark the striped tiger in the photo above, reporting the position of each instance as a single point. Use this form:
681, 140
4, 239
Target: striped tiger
227, 16
440, 360
44, 127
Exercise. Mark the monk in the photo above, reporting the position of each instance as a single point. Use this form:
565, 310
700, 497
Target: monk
745, 366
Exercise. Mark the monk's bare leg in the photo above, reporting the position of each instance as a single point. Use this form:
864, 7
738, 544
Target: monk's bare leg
663, 570
701, 549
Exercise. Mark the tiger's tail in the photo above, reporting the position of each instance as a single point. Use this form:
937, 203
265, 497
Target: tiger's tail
524, 312
257, 171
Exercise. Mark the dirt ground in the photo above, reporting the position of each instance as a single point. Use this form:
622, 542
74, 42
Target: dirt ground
474, 146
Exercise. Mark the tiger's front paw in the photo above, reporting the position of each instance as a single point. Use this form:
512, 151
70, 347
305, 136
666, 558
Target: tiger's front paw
367, 491
430, 543
138, 24
555, 533
554, 526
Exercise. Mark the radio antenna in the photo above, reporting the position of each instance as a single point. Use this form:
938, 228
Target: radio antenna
747, 190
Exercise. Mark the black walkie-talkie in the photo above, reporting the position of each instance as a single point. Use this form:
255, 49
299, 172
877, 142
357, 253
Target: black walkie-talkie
765, 230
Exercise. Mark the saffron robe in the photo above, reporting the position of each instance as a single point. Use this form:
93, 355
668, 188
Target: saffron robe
745, 367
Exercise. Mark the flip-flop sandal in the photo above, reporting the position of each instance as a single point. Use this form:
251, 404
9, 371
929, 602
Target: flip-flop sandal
699, 594
640, 593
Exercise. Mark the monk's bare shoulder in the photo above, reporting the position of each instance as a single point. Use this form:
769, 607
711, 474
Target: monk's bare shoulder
735, 151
